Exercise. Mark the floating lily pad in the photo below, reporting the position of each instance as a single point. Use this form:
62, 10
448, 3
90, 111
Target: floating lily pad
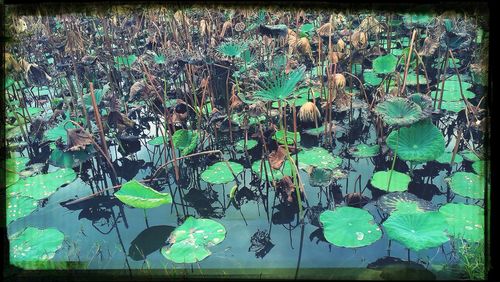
385, 64
349, 227
420, 142
365, 151
411, 79
185, 140
58, 132
453, 106
137, 195
320, 158
468, 184
279, 136
157, 141
191, 239
240, 145
371, 78
417, 231
70, 159
398, 111
14, 166
464, 221
403, 202
399, 181
20, 206
256, 168
479, 167
34, 245
219, 173
43, 185
445, 158
453, 95
319, 177
470, 156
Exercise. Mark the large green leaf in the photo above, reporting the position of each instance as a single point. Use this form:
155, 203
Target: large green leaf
417, 231
191, 239
14, 166
464, 221
320, 158
365, 151
349, 227
58, 132
279, 86
232, 49
420, 142
467, 184
403, 202
385, 64
219, 173
157, 141
240, 145
279, 136
445, 158
399, 181
185, 140
371, 78
19, 206
34, 245
479, 167
71, 158
398, 111
43, 185
137, 195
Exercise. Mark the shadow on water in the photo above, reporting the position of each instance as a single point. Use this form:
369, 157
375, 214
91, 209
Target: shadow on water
148, 241
396, 269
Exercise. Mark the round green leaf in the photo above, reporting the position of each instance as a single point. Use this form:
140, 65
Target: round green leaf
470, 156
453, 106
398, 111
399, 181
453, 95
445, 158
59, 131
125, 60
319, 177
464, 221
371, 78
420, 142
479, 167
320, 158
189, 241
467, 184
20, 206
403, 202
411, 79
290, 135
256, 168
385, 64
219, 173
43, 185
349, 227
365, 151
137, 195
417, 231
240, 145
34, 245
185, 140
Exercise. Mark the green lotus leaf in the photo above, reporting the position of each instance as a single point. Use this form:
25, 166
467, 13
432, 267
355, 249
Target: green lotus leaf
219, 173
125, 60
385, 64
420, 142
403, 202
157, 141
349, 227
418, 19
137, 195
411, 79
467, 184
98, 93
34, 245
453, 106
189, 241
43, 185
58, 132
417, 231
470, 156
424, 102
315, 131
256, 168
279, 136
319, 157
20, 206
232, 49
14, 166
70, 159
452, 95
479, 167
445, 158
399, 181
185, 140
239, 119
398, 111
371, 78
365, 151
464, 221
319, 177
240, 145
279, 85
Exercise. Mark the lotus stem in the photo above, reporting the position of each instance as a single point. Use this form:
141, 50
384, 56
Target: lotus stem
455, 148
393, 161
466, 102
98, 120
408, 60
442, 84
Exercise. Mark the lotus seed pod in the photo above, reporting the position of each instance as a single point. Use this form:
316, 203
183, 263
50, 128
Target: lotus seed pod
341, 44
239, 27
339, 80
309, 112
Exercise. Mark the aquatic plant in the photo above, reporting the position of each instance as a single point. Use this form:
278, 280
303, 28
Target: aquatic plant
398, 111
232, 49
403, 202
385, 64
138, 195
467, 184
364, 151
221, 172
279, 85
464, 221
398, 181
43, 185
33, 245
349, 227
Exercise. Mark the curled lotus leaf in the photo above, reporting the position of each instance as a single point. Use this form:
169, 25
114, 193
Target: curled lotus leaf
403, 202
138, 195
399, 111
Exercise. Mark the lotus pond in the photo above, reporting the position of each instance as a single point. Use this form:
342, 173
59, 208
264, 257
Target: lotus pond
247, 142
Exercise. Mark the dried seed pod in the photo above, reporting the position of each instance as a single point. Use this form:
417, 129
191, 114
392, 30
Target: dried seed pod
309, 112
371, 25
239, 27
20, 26
203, 28
340, 45
333, 57
339, 80
359, 39
225, 27
304, 46
292, 41
325, 30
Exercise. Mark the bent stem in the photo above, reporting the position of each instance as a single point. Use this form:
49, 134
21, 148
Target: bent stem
393, 161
